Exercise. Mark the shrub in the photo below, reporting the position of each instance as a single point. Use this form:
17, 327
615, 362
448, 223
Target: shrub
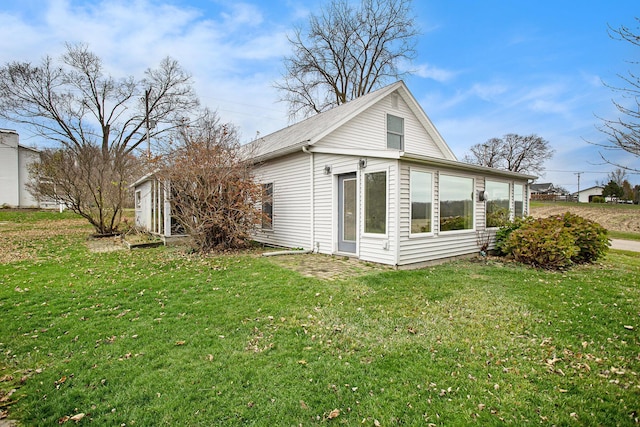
555, 242
591, 237
598, 199
505, 230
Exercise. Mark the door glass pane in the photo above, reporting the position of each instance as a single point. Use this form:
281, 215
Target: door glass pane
349, 210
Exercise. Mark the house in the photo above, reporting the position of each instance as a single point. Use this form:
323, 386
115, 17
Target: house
587, 195
14, 173
371, 179
542, 188
374, 179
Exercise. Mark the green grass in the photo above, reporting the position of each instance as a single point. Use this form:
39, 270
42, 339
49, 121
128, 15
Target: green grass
155, 337
623, 235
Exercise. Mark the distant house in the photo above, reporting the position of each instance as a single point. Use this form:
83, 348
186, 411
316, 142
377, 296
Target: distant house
371, 179
543, 188
587, 195
14, 173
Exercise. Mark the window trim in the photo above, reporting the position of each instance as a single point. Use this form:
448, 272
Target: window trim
401, 148
524, 200
365, 233
473, 204
263, 202
431, 213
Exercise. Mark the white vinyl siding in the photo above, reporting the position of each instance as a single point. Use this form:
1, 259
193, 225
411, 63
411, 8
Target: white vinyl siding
290, 176
368, 131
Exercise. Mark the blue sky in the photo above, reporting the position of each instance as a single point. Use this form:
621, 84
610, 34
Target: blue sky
483, 69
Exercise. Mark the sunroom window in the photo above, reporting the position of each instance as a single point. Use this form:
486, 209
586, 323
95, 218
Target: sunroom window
375, 202
421, 201
456, 203
518, 199
497, 203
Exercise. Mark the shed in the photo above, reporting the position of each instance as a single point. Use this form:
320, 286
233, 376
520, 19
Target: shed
587, 195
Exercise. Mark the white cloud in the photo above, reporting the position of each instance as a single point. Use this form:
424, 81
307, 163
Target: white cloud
233, 54
428, 71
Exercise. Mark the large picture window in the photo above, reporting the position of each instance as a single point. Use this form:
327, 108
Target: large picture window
375, 202
497, 203
421, 201
395, 132
456, 203
267, 206
518, 199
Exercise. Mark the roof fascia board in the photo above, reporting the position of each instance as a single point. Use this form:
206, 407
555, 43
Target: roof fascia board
465, 166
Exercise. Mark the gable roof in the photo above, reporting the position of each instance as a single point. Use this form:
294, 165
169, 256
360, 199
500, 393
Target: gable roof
542, 187
309, 131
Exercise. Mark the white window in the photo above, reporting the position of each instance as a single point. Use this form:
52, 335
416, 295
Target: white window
421, 201
395, 132
375, 202
138, 199
518, 199
497, 203
456, 203
267, 206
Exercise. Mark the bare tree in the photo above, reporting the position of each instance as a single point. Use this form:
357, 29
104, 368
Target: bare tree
516, 153
623, 133
346, 52
95, 118
212, 191
490, 154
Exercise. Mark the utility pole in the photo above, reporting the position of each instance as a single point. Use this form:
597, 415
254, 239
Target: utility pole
578, 193
146, 119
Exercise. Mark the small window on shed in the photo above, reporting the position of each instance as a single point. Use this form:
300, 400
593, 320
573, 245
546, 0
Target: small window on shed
267, 206
138, 199
395, 132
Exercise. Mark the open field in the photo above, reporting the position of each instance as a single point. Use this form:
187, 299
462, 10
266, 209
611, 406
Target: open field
158, 337
618, 218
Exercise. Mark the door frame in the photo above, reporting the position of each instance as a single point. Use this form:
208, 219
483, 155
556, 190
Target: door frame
346, 246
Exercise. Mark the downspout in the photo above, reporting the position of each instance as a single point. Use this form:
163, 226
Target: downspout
305, 149
398, 210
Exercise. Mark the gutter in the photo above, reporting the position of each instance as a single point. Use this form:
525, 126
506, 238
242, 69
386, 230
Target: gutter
305, 149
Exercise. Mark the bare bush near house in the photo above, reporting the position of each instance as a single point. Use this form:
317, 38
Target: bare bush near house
98, 121
212, 194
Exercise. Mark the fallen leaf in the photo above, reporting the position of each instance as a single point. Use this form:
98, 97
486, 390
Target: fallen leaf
302, 362
376, 423
334, 414
629, 327
63, 419
77, 417
181, 342
481, 406
303, 405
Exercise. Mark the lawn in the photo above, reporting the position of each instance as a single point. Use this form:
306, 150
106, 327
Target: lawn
158, 337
